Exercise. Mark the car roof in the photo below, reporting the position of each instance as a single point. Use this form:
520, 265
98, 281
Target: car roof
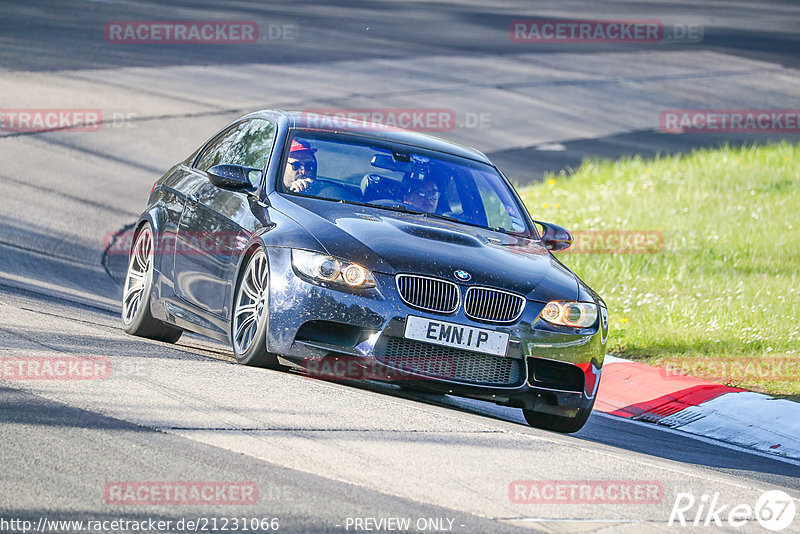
327, 123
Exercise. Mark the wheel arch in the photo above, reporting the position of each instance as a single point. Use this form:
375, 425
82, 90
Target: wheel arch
136, 229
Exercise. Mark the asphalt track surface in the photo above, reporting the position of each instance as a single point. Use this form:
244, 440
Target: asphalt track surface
322, 452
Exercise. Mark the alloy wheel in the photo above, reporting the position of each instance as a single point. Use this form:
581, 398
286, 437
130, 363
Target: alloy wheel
251, 300
139, 268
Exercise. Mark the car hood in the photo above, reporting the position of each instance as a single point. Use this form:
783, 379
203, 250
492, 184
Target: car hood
392, 242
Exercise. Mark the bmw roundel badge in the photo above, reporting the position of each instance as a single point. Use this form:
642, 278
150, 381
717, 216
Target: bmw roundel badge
464, 276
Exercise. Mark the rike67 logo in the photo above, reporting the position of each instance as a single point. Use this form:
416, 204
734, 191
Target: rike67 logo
774, 510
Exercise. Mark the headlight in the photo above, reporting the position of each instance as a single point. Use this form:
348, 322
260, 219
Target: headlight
577, 314
324, 268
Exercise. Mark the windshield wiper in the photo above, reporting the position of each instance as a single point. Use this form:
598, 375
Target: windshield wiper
438, 216
405, 209
399, 206
511, 232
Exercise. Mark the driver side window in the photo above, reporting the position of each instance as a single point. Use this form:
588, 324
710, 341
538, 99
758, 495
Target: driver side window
248, 144
213, 153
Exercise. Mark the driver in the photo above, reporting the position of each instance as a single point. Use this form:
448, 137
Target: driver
423, 195
301, 167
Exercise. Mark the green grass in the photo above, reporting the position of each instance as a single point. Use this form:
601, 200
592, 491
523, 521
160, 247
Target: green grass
721, 299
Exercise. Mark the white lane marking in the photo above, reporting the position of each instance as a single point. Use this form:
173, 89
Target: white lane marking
738, 418
746, 418
514, 415
712, 441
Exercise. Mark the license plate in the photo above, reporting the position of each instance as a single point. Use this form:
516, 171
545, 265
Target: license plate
456, 336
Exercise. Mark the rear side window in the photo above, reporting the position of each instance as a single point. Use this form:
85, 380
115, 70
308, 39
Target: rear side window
248, 144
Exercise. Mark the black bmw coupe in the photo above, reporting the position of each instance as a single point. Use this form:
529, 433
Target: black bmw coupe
304, 239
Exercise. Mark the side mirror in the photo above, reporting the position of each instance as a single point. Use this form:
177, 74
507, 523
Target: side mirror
232, 177
555, 238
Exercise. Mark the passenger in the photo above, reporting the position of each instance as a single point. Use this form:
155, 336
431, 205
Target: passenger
423, 195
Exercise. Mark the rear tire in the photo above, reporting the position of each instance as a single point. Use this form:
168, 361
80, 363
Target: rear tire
557, 423
136, 293
250, 314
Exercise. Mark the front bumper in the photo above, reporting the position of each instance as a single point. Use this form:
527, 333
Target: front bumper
548, 368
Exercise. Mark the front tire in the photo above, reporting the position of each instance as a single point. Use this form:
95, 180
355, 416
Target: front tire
250, 314
136, 317
557, 423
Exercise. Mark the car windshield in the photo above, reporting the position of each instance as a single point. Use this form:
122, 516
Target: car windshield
399, 177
